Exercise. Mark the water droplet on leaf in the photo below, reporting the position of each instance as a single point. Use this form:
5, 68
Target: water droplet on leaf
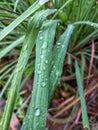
37, 112
44, 45
41, 56
62, 46
46, 61
58, 43
43, 84
41, 37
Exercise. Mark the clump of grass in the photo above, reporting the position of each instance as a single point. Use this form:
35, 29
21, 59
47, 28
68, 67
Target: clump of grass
49, 35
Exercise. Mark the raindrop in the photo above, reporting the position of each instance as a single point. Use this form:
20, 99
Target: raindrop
39, 72
58, 43
25, 47
46, 61
24, 123
19, 69
57, 46
54, 66
62, 46
40, 31
41, 56
44, 68
57, 73
67, 34
28, 117
58, 24
41, 2
41, 37
38, 64
44, 45
92, 24
37, 112
43, 84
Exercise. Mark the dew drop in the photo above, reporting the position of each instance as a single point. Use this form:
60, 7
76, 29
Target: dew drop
28, 117
46, 79
24, 123
43, 84
67, 34
44, 68
38, 64
46, 61
57, 73
62, 46
41, 2
58, 24
92, 24
37, 112
19, 69
25, 47
58, 43
39, 72
54, 66
41, 56
40, 31
44, 45
41, 37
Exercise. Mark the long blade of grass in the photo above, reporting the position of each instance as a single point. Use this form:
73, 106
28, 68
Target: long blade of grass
82, 97
6, 85
95, 25
21, 18
36, 115
59, 53
29, 43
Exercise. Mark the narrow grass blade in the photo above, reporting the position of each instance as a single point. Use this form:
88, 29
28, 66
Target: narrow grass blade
95, 25
21, 18
81, 92
36, 115
10, 47
6, 67
59, 53
6, 85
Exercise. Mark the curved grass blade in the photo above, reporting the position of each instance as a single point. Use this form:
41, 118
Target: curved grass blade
59, 53
81, 92
95, 25
21, 18
29, 43
36, 115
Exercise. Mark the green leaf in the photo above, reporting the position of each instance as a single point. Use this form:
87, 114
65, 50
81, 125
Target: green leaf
36, 115
59, 53
82, 97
